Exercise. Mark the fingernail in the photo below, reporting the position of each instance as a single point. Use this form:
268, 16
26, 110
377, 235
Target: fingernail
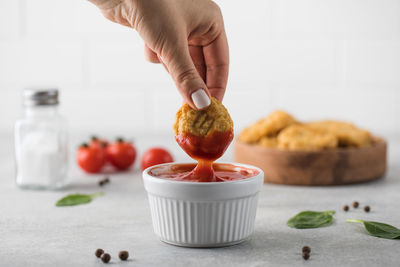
200, 99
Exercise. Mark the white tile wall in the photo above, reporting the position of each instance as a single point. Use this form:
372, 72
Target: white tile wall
314, 58
9, 61
105, 110
123, 62
371, 62
50, 62
249, 104
9, 19
164, 106
59, 18
348, 19
10, 107
299, 61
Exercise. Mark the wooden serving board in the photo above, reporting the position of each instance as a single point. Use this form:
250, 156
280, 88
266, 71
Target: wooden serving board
325, 167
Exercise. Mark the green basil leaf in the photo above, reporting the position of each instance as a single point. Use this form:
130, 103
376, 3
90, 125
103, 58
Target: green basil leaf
379, 229
77, 199
311, 219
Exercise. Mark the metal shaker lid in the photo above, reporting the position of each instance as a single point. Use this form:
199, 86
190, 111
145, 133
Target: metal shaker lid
40, 97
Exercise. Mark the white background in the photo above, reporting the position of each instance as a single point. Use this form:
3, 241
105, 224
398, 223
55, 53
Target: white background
315, 58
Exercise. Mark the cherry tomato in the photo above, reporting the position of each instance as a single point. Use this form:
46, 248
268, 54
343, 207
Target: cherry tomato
154, 156
98, 142
121, 154
91, 159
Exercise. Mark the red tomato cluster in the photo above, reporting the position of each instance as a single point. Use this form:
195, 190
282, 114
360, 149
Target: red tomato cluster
94, 156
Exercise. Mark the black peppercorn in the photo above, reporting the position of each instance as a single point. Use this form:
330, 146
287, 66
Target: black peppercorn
346, 208
98, 252
367, 208
123, 255
104, 181
306, 256
306, 249
105, 257
355, 204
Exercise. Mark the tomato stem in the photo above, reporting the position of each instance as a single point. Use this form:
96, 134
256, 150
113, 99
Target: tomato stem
85, 145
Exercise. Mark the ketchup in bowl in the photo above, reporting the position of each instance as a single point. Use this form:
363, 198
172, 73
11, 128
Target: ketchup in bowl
222, 172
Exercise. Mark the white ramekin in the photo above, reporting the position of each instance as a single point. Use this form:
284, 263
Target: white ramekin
193, 214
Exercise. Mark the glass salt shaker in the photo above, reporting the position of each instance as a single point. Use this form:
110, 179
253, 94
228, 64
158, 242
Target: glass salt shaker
41, 142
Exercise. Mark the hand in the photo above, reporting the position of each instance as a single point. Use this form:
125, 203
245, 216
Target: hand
187, 36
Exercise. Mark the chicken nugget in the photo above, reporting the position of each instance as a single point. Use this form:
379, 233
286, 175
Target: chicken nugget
347, 134
203, 122
300, 137
204, 134
268, 126
268, 142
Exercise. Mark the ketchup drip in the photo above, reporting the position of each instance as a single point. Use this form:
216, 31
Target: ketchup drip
205, 150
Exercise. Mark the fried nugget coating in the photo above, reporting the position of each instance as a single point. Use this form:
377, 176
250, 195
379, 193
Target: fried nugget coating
348, 134
203, 122
268, 142
268, 126
301, 137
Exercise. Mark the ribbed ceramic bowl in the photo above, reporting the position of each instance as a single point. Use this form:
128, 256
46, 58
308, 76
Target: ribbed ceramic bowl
194, 214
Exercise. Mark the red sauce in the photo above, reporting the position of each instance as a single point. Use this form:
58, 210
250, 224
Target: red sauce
205, 150
184, 172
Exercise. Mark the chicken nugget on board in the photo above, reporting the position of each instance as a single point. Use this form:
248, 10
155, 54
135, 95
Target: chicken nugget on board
203, 122
268, 126
347, 134
301, 137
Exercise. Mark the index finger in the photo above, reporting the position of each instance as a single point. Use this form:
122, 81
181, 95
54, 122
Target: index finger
216, 57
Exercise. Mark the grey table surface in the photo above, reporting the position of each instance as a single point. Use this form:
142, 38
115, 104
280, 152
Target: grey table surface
33, 232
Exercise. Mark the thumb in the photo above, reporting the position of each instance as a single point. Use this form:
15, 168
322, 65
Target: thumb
190, 85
